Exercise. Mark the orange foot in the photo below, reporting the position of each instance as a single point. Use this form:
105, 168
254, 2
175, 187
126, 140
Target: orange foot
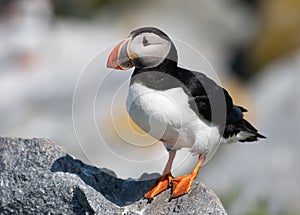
182, 185
162, 184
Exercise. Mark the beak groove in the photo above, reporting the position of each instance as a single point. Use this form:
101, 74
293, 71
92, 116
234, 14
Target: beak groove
118, 58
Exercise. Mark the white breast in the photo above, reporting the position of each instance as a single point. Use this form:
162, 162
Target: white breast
167, 116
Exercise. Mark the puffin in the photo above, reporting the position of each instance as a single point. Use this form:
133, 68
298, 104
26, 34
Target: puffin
178, 107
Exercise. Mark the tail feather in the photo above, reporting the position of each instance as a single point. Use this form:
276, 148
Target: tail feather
253, 137
242, 109
241, 131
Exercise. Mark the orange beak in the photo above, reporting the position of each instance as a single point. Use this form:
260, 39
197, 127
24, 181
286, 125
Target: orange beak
119, 58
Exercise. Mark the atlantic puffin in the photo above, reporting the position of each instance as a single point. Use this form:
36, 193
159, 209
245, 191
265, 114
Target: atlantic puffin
179, 107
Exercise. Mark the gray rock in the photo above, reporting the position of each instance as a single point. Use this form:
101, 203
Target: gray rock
38, 177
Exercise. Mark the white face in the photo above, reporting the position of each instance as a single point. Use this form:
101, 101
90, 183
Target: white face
150, 49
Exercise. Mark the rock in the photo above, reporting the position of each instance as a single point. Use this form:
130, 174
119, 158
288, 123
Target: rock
38, 177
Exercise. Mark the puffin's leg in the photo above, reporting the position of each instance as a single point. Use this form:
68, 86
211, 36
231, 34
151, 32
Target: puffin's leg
182, 185
164, 181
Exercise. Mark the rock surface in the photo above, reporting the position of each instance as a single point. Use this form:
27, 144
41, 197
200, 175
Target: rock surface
38, 177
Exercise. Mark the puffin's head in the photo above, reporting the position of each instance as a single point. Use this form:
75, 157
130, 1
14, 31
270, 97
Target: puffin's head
144, 48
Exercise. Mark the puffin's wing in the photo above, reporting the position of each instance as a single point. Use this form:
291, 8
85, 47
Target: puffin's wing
203, 91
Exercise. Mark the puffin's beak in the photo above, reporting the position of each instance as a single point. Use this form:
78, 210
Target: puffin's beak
119, 58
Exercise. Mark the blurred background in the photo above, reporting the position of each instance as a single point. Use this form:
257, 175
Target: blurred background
54, 84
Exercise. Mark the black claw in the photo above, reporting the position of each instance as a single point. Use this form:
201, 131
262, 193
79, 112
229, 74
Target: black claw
149, 200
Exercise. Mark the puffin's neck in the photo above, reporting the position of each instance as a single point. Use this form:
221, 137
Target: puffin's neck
167, 66
160, 77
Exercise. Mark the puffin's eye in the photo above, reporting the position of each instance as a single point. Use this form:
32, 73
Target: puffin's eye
145, 42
